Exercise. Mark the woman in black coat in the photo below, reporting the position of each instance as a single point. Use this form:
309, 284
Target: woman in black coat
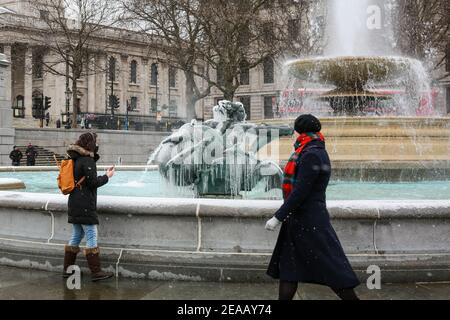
83, 205
308, 249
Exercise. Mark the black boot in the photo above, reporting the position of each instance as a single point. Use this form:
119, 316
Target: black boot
70, 256
93, 259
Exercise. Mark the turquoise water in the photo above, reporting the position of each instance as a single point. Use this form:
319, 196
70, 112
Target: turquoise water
151, 184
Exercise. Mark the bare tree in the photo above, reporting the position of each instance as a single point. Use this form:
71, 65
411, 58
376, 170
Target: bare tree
229, 36
174, 32
423, 29
71, 35
242, 35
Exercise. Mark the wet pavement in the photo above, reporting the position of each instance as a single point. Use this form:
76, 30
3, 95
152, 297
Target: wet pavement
25, 284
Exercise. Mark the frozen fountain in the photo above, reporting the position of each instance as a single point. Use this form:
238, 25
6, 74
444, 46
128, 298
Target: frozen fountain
219, 158
199, 239
378, 110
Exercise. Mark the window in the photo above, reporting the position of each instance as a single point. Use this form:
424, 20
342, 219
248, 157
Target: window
133, 103
268, 34
447, 66
153, 105
201, 70
244, 37
112, 69
172, 77
220, 75
293, 29
19, 107
44, 15
133, 72
246, 101
154, 74
173, 108
245, 74
268, 107
448, 99
268, 70
38, 65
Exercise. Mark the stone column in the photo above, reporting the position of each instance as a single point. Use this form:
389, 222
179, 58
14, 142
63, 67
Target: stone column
145, 84
125, 83
7, 73
28, 83
7, 132
101, 84
91, 79
163, 82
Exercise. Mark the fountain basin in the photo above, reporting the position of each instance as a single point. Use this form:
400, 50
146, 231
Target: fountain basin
349, 72
354, 82
223, 240
411, 142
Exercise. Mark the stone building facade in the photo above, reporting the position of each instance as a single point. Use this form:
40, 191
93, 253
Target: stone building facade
134, 81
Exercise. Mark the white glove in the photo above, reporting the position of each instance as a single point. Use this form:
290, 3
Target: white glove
272, 224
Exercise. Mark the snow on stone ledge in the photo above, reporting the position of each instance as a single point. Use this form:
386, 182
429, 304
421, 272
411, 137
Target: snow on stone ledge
357, 209
11, 184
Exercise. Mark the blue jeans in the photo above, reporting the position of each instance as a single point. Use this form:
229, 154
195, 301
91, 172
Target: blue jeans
78, 233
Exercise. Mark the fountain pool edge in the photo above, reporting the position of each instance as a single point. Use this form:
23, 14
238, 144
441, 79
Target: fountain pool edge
224, 240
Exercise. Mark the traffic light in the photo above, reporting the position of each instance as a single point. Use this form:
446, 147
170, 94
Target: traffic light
37, 109
114, 102
48, 103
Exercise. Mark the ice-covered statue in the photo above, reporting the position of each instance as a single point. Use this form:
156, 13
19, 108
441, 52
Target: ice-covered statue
219, 157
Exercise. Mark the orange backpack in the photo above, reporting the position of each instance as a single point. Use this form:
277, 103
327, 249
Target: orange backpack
66, 179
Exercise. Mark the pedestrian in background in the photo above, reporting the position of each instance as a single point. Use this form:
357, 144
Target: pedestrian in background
31, 154
15, 156
47, 119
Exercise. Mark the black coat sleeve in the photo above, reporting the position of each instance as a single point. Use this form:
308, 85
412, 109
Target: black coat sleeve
308, 170
90, 173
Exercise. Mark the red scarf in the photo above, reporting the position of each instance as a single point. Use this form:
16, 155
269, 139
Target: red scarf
291, 167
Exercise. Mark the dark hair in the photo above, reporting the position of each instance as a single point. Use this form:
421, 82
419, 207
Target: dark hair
87, 141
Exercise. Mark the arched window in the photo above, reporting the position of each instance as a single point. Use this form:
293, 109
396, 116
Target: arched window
20, 101
154, 75
220, 74
269, 70
19, 107
245, 74
112, 69
172, 77
133, 72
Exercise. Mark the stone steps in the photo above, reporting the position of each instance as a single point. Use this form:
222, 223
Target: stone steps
45, 156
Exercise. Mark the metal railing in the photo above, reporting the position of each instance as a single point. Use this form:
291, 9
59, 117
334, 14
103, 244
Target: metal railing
129, 122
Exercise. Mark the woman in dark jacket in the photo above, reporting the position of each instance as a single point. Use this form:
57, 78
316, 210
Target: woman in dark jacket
83, 205
308, 249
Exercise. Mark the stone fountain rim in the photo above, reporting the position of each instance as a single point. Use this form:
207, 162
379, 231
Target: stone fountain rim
350, 58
